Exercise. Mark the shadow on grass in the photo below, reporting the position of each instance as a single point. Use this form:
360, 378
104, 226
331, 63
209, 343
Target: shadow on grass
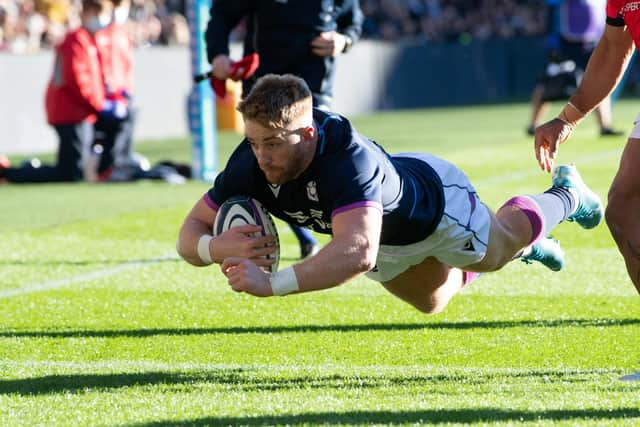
496, 324
257, 379
463, 416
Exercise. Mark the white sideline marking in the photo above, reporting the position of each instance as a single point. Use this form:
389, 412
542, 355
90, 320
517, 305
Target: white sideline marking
54, 284
93, 275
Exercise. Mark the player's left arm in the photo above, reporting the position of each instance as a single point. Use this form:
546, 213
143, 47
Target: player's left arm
352, 251
237, 241
199, 222
196, 243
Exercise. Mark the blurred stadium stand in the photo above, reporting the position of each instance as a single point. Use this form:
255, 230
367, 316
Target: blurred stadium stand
30, 25
416, 53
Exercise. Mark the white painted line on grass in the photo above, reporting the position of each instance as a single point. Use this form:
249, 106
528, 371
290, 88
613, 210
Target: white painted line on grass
93, 275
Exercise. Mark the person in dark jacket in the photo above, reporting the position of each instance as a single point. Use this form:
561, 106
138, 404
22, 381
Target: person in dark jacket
299, 37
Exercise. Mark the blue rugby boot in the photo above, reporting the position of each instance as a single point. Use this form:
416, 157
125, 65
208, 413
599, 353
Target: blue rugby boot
590, 211
547, 252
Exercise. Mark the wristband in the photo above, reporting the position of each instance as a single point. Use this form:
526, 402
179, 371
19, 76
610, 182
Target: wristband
572, 105
571, 125
284, 282
571, 115
203, 248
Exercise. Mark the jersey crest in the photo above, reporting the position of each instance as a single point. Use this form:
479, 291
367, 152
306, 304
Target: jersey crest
312, 191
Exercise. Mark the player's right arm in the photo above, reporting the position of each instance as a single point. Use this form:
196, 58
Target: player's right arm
604, 70
233, 242
352, 251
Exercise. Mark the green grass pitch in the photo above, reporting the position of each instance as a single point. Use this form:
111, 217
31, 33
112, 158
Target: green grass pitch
102, 324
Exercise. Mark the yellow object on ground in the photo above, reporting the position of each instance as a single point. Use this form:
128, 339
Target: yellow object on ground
227, 117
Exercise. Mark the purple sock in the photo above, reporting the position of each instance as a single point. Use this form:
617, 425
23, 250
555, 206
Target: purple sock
530, 208
556, 204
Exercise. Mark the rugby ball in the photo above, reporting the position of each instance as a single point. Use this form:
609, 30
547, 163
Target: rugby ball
243, 210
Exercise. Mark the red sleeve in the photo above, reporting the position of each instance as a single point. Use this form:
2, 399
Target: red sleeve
116, 50
82, 72
613, 9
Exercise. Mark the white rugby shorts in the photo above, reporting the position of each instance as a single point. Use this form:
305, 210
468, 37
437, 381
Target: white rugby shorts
459, 240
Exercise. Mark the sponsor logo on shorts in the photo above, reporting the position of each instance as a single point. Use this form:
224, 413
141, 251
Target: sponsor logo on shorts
468, 246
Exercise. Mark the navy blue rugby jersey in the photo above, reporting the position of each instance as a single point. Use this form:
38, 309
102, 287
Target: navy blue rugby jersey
347, 171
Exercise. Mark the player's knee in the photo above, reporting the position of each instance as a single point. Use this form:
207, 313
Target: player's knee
497, 256
431, 305
433, 302
494, 261
506, 240
615, 214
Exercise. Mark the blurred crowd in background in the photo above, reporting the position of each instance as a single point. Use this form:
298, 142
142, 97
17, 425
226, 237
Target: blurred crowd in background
31, 25
452, 20
28, 26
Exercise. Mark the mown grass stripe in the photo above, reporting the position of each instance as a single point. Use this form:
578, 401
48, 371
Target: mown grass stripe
93, 275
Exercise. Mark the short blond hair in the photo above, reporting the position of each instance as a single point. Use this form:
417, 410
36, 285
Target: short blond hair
276, 101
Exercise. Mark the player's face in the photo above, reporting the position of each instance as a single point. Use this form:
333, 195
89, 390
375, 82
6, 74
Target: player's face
282, 154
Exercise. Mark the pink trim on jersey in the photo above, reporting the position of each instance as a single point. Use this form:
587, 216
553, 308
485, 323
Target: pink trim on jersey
355, 205
213, 205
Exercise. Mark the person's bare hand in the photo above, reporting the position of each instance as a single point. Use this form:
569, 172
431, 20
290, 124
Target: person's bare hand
328, 44
548, 138
240, 242
245, 276
221, 67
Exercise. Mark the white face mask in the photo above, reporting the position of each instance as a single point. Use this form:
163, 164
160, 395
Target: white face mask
120, 15
97, 23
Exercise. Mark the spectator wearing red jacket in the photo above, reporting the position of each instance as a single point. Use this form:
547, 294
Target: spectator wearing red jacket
76, 97
116, 53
